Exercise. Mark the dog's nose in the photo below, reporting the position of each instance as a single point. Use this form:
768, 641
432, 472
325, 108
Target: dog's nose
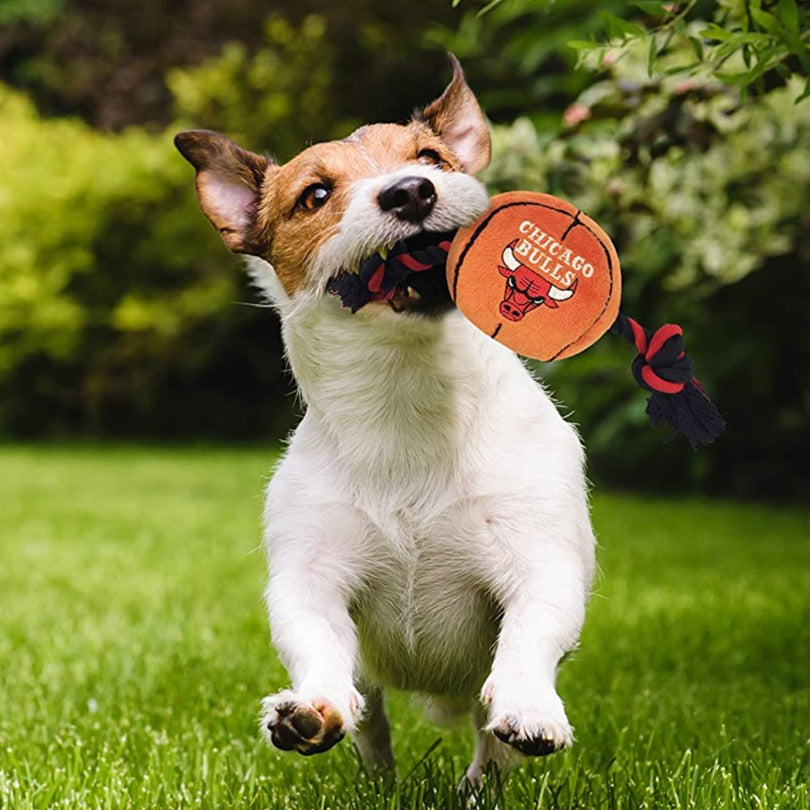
410, 198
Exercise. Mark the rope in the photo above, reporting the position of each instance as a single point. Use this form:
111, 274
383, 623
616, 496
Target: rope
663, 368
379, 277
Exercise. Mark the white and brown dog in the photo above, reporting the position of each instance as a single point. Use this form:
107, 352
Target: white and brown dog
428, 526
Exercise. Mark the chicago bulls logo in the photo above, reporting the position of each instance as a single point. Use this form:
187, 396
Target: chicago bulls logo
552, 260
525, 289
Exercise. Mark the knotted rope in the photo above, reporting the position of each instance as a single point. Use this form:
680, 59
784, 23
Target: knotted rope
663, 368
379, 276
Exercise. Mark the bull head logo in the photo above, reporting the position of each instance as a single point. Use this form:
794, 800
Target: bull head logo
525, 289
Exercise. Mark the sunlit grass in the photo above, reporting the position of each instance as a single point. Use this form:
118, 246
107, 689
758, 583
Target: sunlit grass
134, 652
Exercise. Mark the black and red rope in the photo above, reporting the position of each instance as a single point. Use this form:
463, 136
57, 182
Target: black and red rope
677, 399
378, 277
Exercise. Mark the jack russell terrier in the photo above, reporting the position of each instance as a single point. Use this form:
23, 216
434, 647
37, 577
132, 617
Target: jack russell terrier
428, 527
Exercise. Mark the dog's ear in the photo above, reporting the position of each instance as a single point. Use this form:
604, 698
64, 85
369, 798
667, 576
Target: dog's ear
457, 119
229, 186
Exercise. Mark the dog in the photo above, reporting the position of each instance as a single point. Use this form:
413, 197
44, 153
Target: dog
428, 527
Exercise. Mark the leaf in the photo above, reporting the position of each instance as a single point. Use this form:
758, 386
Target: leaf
488, 7
617, 28
698, 46
650, 6
582, 44
805, 93
789, 12
744, 78
715, 32
675, 69
652, 54
746, 55
765, 20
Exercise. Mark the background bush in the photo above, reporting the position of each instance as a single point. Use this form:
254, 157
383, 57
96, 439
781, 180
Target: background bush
706, 199
110, 293
683, 131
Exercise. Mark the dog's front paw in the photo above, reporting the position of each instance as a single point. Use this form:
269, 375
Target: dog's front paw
309, 727
533, 734
537, 729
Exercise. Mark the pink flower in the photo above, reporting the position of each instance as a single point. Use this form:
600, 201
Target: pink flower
576, 114
686, 86
609, 58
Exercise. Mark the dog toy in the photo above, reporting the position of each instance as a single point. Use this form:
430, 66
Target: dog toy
380, 274
538, 275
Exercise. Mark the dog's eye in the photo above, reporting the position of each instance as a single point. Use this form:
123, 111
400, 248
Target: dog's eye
430, 157
314, 196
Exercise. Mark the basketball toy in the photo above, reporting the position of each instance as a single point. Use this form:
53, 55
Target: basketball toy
537, 275
541, 277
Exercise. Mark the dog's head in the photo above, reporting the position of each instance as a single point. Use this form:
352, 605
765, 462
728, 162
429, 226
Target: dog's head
336, 203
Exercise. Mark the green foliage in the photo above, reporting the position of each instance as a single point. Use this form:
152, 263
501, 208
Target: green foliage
748, 43
110, 281
701, 193
106, 61
29, 11
135, 652
278, 96
661, 158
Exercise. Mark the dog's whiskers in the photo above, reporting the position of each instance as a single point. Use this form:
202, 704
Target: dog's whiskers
254, 304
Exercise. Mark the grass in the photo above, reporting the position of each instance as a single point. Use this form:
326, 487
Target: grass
134, 652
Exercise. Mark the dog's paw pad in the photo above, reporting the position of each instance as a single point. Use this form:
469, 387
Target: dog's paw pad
535, 737
308, 728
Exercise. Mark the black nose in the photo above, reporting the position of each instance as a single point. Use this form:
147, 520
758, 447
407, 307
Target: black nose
411, 198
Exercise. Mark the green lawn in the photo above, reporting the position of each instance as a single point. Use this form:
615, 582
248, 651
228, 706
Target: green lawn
134, 652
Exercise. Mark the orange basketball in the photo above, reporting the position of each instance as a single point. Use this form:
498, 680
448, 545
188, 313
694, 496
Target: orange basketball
536, 274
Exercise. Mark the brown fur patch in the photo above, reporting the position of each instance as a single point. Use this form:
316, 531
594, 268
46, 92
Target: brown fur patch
294, 235
229, 182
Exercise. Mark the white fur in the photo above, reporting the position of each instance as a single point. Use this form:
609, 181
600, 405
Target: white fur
428, 526
364, 227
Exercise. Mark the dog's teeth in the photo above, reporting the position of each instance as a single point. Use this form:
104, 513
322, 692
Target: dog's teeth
412, 293
383, 251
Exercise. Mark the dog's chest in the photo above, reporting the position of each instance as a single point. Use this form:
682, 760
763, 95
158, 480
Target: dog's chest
424, 620
396, 399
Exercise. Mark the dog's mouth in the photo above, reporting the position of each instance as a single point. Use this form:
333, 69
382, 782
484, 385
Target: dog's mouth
409, 276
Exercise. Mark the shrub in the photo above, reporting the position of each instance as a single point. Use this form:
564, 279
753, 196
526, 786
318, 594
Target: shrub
113, 289
705, 198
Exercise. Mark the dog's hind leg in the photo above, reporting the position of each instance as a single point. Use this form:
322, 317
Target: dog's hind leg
491, 755
372, 736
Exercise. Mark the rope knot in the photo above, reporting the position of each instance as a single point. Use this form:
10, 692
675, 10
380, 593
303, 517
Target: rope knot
661, 364
665, 370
